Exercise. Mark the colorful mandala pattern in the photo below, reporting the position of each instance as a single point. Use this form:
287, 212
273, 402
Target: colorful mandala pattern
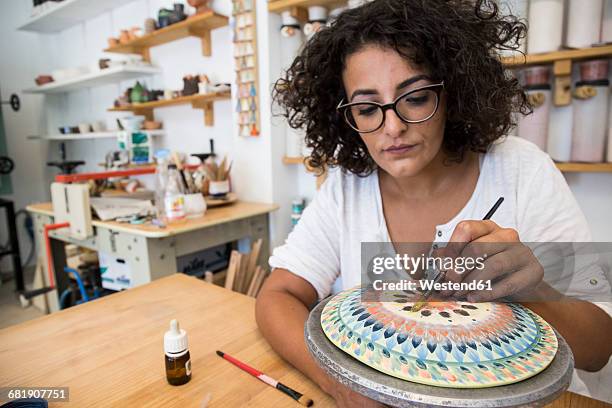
446, 344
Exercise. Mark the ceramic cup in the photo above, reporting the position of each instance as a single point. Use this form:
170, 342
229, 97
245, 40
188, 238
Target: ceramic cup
203, 88
84, 127
150, 25
195, 205
132, 123
218, 188
98, 126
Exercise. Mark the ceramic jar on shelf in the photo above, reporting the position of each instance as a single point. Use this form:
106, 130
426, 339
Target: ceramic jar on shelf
534, 127
591, 99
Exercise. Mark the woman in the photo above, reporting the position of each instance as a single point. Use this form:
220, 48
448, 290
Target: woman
409, 99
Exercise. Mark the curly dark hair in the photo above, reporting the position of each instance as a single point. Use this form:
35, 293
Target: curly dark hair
457, 41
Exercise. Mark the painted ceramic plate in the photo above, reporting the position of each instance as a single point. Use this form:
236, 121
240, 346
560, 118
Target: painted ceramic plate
445, 344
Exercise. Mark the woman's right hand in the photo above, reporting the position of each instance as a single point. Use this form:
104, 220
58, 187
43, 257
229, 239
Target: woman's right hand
347, 398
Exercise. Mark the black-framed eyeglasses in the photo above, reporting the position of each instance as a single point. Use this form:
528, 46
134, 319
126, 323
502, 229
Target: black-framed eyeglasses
415, 106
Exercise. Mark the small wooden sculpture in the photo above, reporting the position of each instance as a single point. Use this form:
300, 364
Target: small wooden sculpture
200, 5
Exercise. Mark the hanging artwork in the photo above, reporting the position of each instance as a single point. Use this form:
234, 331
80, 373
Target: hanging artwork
243, 24
445, 344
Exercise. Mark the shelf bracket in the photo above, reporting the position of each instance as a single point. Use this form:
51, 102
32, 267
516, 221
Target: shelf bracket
209, 112
299, 13
204, 35
562, 70
146, 54
147, 113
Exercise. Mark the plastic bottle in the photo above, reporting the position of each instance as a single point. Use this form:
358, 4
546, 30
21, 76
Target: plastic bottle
174, 200
161, 181
178, 360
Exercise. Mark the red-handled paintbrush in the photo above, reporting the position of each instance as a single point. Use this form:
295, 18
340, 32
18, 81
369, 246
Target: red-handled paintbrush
302, 399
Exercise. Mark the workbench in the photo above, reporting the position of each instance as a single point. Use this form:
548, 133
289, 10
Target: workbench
151, 252
109, 352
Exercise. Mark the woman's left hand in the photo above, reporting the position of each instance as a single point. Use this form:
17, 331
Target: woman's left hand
511, 266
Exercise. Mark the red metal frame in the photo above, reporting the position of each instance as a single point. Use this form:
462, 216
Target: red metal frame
50, 271
138, 171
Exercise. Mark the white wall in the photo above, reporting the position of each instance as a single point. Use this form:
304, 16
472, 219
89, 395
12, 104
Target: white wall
26, 55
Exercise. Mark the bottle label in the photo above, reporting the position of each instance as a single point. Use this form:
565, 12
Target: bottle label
188, 367
175, 207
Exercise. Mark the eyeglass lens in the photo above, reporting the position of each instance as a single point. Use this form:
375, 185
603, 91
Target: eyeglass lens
413, 107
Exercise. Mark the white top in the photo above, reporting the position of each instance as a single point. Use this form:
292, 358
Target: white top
326, 243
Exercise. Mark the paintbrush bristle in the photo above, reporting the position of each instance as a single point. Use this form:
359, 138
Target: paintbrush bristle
305, 401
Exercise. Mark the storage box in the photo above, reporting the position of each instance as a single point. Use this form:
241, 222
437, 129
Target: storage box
116, 273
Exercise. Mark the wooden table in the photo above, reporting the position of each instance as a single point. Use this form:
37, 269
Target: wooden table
109, 352
152, 252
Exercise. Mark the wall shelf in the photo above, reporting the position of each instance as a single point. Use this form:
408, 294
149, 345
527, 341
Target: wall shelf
585, 167
562, 67
92, 135
278, 6
293, 160
198, 25
552, 57
197, 101
102, 77
63, 15
564, 167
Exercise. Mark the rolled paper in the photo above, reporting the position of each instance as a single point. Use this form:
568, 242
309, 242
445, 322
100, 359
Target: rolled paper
334, 13
534, 127
519, 9
609, 150
545, 26
584, 23
590, 121
294, 140
317, 18
559, 145
538, 75
606, 23
291, 40
594, 70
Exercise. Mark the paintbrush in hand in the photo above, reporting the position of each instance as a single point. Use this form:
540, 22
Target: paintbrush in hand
442, 274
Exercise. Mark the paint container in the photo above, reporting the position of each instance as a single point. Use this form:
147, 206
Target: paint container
590, 102
545, 26
606, 22
519, 9
584, 23
534, 127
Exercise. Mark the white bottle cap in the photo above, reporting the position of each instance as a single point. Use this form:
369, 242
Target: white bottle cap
175, 340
